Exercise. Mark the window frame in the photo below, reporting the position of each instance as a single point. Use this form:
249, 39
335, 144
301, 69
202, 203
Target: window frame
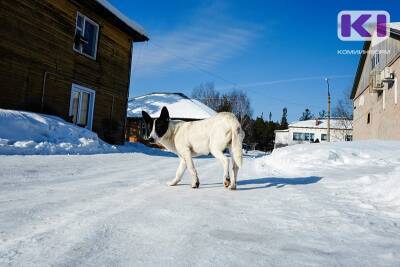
84, 18
309, 137
92, 98
375, 59
298, 136
303, 136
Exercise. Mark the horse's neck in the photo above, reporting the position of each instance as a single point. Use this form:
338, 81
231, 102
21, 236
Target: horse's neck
168, 140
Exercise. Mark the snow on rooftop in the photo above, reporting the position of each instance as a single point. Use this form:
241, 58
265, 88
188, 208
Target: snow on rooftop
322, 124
377, 40
132, 24
179, 106
395, 25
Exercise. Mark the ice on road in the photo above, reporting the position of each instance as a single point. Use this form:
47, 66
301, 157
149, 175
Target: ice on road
116, 210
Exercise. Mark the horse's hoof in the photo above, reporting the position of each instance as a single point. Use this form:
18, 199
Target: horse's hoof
227, 182
196, 185
171, 183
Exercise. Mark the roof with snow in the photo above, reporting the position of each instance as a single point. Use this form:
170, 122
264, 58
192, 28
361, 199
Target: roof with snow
130, 26
394, 30
179, 106
336, 123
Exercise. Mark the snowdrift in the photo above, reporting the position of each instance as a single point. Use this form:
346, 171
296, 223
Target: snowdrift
27, 133
371, 168
333, 155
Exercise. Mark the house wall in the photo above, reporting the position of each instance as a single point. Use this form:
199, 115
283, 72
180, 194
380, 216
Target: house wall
284, 138
383, 107
336, 134
281, 139
36, 37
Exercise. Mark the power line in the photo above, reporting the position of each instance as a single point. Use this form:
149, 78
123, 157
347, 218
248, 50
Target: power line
238, 86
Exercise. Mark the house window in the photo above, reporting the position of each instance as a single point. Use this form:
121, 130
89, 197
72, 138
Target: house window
348, 137
309, 136
362, 100
86, 36
369, 118
303, 137
82, 106
324, 137
375, 60
298, 136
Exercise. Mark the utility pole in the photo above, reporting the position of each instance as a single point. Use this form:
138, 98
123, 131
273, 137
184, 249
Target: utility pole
329, 112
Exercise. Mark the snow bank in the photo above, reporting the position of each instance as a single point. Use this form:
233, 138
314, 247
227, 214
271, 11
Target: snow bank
371, 168
27, 133
383, 188
333, 155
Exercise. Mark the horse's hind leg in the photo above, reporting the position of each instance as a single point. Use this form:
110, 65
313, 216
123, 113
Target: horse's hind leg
225, 163
235, 173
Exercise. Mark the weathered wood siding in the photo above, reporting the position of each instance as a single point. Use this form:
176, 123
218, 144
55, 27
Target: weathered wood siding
36, 37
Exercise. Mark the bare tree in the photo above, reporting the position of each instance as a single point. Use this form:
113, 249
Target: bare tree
207, 94
239, 103
343, 110
235, 101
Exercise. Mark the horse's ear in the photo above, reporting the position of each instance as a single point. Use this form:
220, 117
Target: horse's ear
164, 114
146, 117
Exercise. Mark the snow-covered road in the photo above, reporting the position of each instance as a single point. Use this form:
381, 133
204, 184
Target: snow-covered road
115, 210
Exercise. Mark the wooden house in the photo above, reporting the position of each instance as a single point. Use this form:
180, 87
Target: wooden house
180, 107
70, 58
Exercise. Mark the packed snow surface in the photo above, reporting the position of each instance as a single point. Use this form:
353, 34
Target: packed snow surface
306, 205
179, 106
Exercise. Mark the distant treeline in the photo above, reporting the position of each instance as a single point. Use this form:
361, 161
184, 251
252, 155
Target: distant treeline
260, 132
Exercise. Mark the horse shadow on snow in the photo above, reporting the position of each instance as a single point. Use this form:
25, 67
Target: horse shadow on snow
260, 183
277, 182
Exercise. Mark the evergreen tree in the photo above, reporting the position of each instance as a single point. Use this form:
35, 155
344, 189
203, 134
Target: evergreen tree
307, 115
323, 114
284, 123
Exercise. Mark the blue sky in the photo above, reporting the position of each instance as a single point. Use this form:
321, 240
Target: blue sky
278, 51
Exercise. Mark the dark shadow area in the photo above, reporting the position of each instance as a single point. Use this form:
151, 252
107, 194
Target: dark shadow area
245, 156
277, 182
141, 148
153, 151
205, 185
261, 183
